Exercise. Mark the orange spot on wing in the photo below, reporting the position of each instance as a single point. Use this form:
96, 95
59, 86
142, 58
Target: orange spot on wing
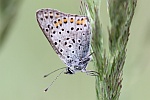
60, 22
78, 22
71, 20
65, 20
56, 24
83, 21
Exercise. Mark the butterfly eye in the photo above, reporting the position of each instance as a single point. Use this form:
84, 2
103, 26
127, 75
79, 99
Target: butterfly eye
69, 71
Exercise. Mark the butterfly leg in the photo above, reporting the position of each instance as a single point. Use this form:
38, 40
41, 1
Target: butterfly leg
89, 56
91, 73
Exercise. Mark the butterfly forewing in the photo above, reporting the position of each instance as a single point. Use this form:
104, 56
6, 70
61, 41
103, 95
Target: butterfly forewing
68, 34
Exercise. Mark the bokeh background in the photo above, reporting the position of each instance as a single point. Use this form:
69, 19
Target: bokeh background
25, 56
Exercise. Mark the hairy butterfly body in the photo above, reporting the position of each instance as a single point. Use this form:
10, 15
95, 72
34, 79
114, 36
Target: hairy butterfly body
69, 35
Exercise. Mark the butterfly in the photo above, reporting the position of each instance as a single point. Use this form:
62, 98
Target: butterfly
69, 36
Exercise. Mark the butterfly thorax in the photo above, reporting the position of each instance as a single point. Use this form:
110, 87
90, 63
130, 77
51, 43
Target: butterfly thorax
77, 65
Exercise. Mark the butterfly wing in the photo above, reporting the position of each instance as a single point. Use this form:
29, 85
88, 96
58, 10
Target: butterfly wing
68, 34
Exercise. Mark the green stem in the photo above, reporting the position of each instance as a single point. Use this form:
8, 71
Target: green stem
8, 12
109, 82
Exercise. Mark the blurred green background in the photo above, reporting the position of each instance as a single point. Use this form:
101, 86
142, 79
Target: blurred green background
25, 56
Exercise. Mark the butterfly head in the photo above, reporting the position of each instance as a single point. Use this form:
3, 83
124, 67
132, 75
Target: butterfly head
69, 71
77, 66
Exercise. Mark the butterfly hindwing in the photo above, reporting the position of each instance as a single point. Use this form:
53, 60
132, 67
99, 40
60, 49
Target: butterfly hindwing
68, 34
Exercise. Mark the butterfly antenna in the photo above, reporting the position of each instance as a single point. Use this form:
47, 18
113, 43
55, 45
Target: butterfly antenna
53, 71
53, 82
